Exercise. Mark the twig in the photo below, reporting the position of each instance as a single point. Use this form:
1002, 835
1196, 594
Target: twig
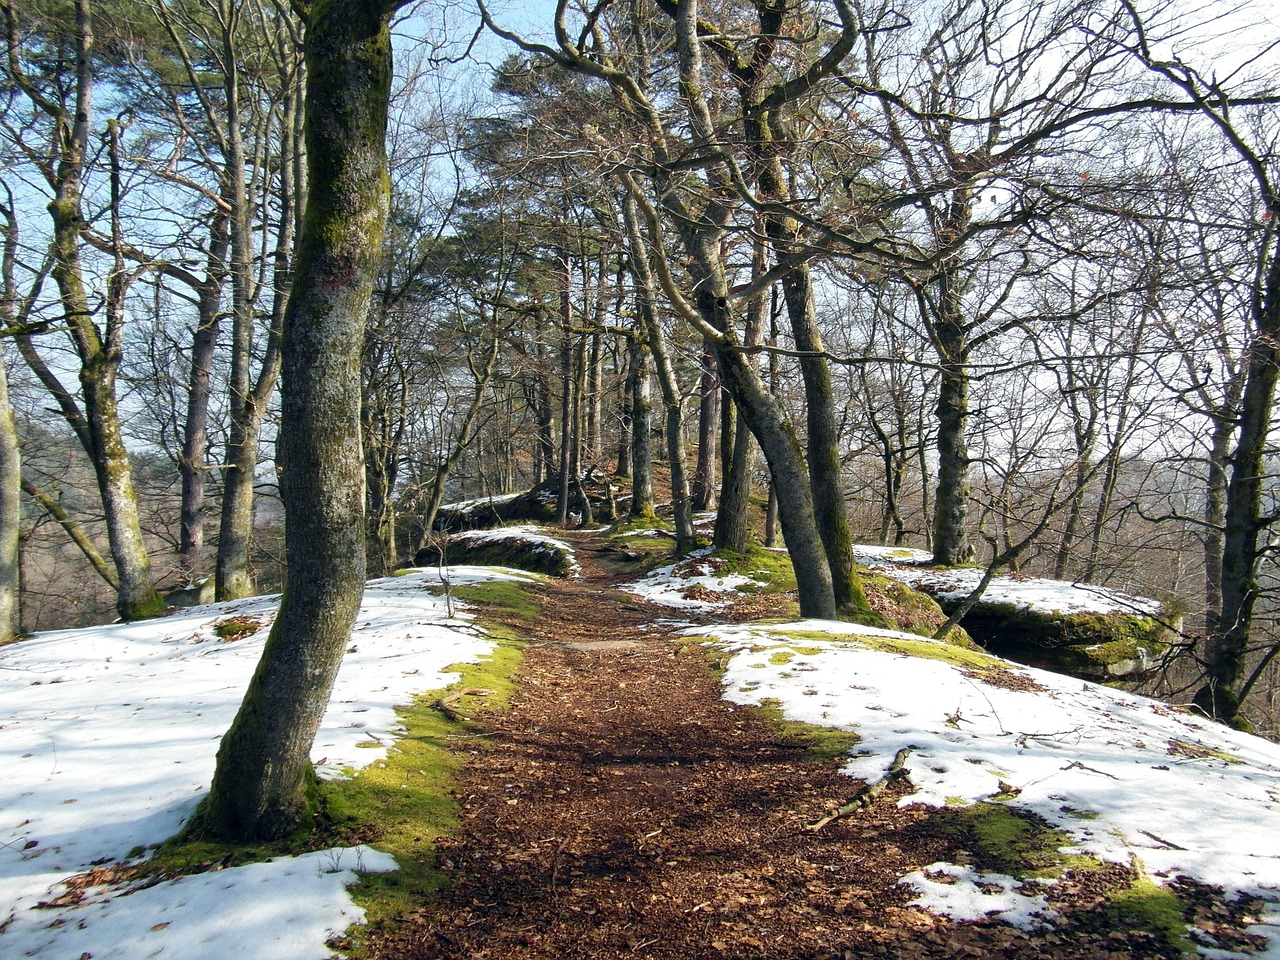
1077, 765
445, 704
1161, 840
867, 795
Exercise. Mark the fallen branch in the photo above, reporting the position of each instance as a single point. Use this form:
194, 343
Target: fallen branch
867, 795
1167, 844
445, 704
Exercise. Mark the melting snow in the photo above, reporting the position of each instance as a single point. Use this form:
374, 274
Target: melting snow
109, 736
1123, 775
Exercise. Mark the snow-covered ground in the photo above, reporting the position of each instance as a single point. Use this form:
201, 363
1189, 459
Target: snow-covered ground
912, 568
108, 736
672, 585
1126, 777
107, 743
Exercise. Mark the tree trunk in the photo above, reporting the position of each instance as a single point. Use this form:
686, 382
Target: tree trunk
1215, 505
10, 514
1243, 521
625, 402
733, 521
259, 789
193, 466
704, 478
823, 441
641, 419
951, 546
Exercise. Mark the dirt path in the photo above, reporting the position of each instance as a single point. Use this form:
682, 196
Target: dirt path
628, 811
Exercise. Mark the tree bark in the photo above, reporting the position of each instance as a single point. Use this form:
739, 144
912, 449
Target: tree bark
704, 478
10, 514
951, 545
1243, 526
641, 420
259, 789
192, 466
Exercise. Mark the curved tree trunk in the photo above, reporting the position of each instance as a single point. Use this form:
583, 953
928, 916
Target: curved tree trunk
259, 787
823, 440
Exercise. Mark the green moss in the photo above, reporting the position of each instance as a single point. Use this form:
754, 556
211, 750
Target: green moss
898, 606
1075, 814
401, 804
770, 568
1146, 905
1198, 751
507, 597
1013, 841
820, 743
973, 662
1092, 645
406, 801
236, 628
628, 541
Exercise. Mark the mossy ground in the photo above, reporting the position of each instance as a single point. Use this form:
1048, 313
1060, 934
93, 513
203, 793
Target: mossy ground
902, 607
820, 743
644, 542
403, 802
1017, 843
500, 598
961, 655
770, 569
1146, 905
1012, 841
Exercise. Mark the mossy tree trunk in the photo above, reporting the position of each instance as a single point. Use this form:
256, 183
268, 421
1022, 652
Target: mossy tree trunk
672, 399
765, 99
640, 388
259, 789
704, 477
10, 455
733, 521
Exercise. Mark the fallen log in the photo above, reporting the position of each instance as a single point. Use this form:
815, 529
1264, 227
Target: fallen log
867, 795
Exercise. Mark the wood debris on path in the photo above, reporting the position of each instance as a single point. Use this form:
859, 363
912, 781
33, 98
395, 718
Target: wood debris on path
625, 810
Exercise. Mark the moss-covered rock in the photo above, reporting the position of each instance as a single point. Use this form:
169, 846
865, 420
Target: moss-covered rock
903, 607
538, 505
1093, 646
498, 548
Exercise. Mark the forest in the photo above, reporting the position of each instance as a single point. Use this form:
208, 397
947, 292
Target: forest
995, 280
